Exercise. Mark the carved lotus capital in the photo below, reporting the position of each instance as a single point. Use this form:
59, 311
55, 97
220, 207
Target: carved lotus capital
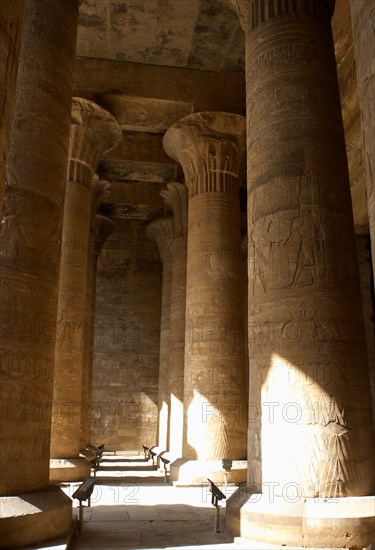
209, 147
93, 132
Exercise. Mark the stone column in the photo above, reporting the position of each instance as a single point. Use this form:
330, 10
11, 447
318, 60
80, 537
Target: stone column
311, 446
366, 281
92, 133
100, 191
176, 196
244, 264
11, 16
363, 24
209, 147
31, 510
161, 231
103, 228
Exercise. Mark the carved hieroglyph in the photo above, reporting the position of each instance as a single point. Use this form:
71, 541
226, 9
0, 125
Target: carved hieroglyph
11, 15
209, 147
30, 241
310, 424
162, 232
176, 196
93, 131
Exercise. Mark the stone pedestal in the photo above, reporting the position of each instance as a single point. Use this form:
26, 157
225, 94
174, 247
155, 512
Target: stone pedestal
341, 522
176, 196
35, 517
310, 435
161, 231
93, 132
29, 269
209, 146
11, 16
363, 23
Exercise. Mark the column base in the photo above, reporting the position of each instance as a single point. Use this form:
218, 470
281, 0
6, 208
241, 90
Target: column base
307, 523
195, 472
68, 469
34, 517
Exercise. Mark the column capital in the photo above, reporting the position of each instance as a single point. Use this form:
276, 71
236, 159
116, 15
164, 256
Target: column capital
104, 227
162, 232
253, 12
209, 146
176, 196
93, 132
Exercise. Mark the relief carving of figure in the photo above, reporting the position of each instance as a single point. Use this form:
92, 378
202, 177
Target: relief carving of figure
305, 248
260, 250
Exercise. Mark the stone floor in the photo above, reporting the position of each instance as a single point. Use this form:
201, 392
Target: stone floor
132, 508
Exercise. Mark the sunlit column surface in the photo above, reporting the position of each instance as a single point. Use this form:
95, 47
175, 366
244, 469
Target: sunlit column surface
310, 427
162, 232
176, 196
209, 147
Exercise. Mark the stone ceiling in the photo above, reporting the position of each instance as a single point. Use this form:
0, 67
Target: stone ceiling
198, 34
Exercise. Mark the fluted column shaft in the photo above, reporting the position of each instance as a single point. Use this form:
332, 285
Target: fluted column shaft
209, 146
306, 337
161, 230
11, 16
93, 131
30, 237
176, 196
